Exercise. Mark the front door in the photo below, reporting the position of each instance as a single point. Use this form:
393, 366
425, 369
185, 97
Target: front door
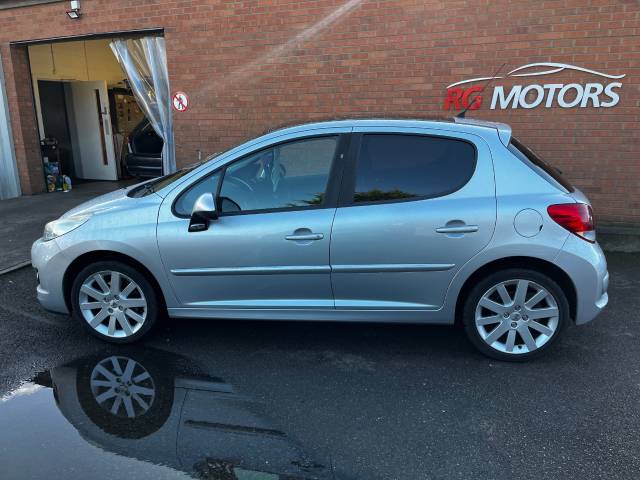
415, 207
269, 248
94, 154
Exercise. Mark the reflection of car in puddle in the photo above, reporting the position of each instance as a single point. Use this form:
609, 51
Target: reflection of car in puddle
160, 408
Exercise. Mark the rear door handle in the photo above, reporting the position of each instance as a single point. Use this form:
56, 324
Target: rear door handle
305, 237
458, 229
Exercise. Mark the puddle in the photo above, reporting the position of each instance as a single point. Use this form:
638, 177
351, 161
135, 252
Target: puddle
143, 413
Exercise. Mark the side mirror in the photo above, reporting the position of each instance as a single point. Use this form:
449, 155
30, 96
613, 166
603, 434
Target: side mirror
204, 210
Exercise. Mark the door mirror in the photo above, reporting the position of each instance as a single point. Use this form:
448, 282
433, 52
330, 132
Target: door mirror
204, 210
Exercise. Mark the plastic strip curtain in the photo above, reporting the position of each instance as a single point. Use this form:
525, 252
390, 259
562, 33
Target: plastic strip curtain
144, 61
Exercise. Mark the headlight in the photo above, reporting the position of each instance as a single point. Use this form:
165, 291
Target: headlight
63, 225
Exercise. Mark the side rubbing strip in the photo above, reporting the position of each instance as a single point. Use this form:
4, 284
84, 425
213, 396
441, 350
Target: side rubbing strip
399, 267
279, 270
296, 270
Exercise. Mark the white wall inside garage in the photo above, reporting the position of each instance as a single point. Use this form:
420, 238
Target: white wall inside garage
81, 60
9, 181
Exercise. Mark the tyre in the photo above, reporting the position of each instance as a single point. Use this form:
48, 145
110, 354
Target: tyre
126, 396
515, 314
114, 302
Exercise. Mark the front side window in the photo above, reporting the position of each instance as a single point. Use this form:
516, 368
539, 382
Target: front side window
289, 175
402, 167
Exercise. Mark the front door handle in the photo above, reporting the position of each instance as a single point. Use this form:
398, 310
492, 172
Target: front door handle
458, 229
305, 237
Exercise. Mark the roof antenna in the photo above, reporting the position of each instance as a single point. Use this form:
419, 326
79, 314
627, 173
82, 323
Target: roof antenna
490, 80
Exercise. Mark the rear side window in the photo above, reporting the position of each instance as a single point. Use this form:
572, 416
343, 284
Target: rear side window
401, 167
542, 168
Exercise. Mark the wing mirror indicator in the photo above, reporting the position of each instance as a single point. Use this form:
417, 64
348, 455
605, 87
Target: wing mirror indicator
204, 210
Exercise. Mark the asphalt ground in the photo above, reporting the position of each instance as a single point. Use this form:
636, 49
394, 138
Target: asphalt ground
398, 401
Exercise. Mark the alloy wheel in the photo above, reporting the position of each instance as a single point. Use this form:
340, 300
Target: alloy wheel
122, 386
112, 304
517, 316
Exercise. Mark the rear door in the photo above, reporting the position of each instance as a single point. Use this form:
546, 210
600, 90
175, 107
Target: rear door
416, 205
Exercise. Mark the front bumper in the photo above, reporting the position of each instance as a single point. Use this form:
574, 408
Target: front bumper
50, 264
587, 266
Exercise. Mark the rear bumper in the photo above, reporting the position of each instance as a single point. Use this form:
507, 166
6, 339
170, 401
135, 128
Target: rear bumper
586, 265
50, 264
143, 165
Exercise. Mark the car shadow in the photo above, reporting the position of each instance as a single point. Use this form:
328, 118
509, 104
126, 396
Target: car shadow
356, 337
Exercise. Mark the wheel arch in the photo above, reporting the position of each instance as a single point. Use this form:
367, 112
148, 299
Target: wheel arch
104, 256
542, 266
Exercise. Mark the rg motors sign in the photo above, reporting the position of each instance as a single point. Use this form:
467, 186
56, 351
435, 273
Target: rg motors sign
601, 93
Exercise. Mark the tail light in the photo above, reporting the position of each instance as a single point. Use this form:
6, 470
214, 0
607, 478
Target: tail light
575, 217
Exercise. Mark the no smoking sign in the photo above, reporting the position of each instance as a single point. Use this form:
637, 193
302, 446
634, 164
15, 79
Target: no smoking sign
180, 101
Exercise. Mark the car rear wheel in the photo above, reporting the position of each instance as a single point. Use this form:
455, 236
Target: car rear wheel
515, 314
114, 302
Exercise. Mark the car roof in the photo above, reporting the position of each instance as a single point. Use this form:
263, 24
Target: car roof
469, 125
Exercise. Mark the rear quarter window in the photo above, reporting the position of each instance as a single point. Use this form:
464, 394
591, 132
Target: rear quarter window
550, 173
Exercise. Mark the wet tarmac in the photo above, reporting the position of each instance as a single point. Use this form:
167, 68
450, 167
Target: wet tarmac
284, 400
143, 413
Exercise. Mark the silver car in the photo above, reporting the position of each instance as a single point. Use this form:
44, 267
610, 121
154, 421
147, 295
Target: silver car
434, 222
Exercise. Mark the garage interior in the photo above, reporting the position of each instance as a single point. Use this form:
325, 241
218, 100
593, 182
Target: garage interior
86, 112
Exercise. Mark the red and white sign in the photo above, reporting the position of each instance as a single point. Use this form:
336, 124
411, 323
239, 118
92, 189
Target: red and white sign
180, 101
547, 95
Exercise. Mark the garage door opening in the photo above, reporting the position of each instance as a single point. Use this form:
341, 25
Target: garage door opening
90, 123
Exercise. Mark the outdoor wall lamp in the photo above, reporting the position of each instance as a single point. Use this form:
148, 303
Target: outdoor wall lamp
74, 13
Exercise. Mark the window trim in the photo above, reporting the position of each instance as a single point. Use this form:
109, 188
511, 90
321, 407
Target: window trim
349, 178
332, 189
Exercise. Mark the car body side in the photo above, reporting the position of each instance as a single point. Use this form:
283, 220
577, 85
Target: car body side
134, 237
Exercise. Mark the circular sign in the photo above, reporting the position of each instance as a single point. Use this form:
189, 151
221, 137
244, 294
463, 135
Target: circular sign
180, 101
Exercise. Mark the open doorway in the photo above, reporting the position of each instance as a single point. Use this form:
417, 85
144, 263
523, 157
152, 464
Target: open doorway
88, 117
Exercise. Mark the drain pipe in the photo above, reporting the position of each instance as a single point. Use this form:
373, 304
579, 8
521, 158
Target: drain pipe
9, 181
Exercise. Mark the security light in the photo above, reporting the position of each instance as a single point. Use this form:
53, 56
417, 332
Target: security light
74, 13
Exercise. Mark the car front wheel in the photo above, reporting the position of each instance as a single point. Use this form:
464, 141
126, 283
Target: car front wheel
515, 314
114, 301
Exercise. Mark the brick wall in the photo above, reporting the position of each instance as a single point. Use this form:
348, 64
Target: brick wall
250, 65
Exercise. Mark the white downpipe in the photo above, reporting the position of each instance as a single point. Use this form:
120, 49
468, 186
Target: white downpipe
9, 180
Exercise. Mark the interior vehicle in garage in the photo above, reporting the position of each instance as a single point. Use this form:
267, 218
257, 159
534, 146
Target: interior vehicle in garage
144, 157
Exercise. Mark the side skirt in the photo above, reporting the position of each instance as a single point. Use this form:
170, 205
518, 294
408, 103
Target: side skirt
432, 317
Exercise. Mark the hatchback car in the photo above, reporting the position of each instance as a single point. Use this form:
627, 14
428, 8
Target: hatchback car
434, 222
144, 159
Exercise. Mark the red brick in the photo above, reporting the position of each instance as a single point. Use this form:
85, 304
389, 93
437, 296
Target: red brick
390, 57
